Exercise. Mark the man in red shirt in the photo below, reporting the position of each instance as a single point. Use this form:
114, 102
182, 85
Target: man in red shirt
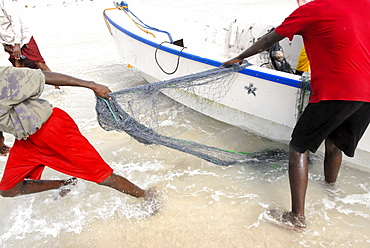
335, 35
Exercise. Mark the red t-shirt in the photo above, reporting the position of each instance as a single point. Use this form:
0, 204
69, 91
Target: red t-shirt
337, 40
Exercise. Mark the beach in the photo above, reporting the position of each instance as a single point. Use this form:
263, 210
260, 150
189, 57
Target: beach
204, 205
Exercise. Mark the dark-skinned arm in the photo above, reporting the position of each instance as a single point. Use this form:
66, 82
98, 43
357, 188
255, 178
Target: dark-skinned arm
58, 79
264, 43
17, 51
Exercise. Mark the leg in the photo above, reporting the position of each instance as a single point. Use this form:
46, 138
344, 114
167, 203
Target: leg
42, 66
332, 161
123, 185
298, 179
35, 186
151, 196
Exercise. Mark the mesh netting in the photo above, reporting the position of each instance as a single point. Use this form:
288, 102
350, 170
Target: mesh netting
145, 112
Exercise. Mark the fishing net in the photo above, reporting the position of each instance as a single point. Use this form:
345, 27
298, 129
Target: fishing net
303, 95
146, 114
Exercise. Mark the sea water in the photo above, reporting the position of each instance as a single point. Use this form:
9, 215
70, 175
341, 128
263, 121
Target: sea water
204, 205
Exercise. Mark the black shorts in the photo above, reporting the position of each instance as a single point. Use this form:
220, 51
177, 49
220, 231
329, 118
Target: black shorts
343, 122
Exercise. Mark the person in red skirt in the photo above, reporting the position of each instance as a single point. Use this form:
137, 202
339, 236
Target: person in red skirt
48, 137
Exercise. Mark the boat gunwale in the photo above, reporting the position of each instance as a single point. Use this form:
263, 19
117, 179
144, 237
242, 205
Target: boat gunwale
246, 71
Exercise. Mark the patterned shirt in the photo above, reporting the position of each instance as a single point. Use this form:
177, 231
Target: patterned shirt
22, 112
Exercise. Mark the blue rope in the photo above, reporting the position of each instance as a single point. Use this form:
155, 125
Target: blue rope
142, 24
111, 110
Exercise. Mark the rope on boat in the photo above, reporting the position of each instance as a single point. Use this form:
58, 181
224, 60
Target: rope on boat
140, 24
106, 21
177, 63
123, 8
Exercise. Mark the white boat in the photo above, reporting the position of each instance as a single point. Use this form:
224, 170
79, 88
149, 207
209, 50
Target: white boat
262, 100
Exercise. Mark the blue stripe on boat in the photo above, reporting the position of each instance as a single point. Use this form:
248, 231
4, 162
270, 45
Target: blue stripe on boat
247, 71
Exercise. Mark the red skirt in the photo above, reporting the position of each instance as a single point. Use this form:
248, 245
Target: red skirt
58, 145
31, 51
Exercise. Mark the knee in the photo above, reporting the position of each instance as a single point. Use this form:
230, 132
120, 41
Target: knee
109, 180
331, 148
13, 191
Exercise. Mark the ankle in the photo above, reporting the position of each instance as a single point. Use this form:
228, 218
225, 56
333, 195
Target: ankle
71, 181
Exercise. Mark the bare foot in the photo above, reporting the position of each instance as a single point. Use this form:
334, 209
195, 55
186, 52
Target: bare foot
67, 187
294, 219
152, 200
287, 220
4, 150
151, 193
